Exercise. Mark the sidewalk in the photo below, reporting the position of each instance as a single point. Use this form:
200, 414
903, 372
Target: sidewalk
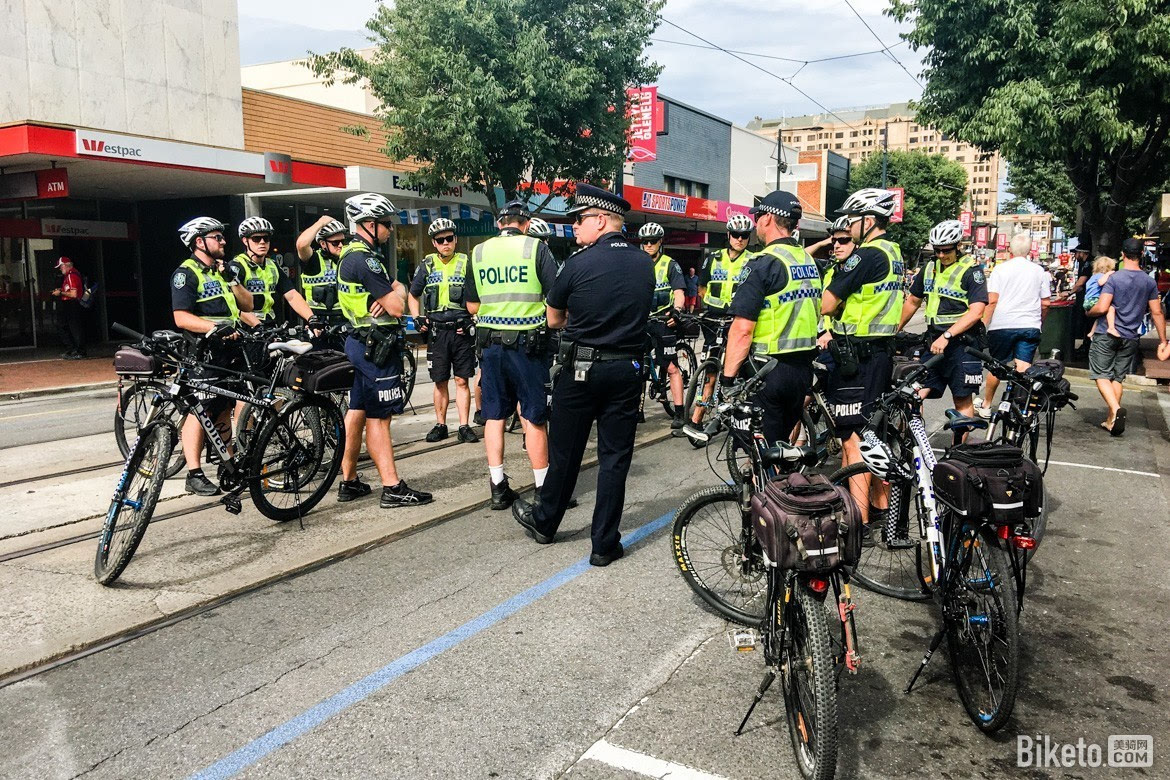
31, 373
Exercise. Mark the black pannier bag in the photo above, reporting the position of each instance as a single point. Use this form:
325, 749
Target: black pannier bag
1053, 371
324, 371
129, 361
806, 523
989, 481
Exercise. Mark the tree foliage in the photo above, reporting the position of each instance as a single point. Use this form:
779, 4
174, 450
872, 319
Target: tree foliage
499, 92
927, 202
1082, 83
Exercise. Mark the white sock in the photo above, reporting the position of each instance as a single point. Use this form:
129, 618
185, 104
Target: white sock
539, 475
497, 473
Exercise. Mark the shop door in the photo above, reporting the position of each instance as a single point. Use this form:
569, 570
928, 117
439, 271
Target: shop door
17, 291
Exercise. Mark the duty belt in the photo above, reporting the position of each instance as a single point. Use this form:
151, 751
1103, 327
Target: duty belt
452, 325
599, 355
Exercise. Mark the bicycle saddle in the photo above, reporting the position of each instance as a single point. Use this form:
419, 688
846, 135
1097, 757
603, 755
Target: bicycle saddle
166, 336
293, 347
957, 422
785, 454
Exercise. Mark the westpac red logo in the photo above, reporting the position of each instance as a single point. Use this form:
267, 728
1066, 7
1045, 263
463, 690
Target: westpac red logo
279, 166
95, 146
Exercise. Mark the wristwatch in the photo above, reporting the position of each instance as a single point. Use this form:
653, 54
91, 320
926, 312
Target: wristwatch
948, 335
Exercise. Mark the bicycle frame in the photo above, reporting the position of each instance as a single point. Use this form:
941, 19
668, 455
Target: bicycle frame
930, 526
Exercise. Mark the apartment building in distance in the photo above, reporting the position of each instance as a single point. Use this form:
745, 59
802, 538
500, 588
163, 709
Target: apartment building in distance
857, 133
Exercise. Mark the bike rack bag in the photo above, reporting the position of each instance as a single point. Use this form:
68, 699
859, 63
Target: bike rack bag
989, 481
806, 523
129, 361
324, 371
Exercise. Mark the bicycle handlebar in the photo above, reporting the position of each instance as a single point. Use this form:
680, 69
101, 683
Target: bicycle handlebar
118, 327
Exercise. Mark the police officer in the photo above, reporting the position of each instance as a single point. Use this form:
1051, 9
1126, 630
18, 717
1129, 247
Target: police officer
438, 306
669, 296
319, 267
721, 273
955, 292
206, 300
510, 275
776, 310
372, 304
864, 300
602, 299
261, 277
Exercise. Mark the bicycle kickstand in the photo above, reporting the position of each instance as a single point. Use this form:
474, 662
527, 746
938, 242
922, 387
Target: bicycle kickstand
769, 678
934, 643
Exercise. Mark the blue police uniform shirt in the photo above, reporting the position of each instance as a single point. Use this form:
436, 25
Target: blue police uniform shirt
867, 265
973, 282
546, 268
766, 275
366, 268
607, 289
185, 295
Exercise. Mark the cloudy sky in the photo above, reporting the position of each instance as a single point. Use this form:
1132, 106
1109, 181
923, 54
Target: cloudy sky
709, 79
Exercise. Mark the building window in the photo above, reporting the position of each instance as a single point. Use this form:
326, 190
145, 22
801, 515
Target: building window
945, 149
913, 139
679, 186
839, 135
853, 134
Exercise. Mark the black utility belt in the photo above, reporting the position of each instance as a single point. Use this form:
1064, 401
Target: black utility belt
450, 324
601, 355
533, 341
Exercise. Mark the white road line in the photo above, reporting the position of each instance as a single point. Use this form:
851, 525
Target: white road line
645, 765
1088, 466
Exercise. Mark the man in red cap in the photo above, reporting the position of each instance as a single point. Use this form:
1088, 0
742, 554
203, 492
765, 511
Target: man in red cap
69, 309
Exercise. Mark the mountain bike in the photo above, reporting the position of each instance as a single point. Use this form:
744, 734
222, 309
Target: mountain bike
141, 377
287, 467
1030, 400
656, 373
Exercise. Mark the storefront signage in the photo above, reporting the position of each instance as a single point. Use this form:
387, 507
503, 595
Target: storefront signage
35, 185
981, 236
965, 220
667, 204
642, 104
899, 203
657, 202
1001, 241
83, 228
399, 186
133, 149
277, 168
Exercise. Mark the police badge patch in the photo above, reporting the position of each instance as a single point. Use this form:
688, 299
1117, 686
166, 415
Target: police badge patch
374, 265
977, 276
851, 263
180, 280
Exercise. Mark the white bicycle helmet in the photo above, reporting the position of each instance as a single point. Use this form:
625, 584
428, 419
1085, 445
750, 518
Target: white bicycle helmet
739, 223
872, 201
441, 225
538, 228
253, 225
651, 230
330, 229
369, 206
876, 455
841, 225
200, 226
947, 233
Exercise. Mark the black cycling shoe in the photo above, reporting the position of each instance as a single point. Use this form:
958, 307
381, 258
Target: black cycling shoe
502, 494
438, 433
478, 418
200, 485
597, 559
867, 536
349, 490
466, 435
696, 433
403, 495
522, 511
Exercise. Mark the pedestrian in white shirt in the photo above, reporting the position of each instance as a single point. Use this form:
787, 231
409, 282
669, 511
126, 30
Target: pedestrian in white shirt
1018, 294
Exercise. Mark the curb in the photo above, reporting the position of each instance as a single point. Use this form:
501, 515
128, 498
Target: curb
1136, 380
93, 646
20, 395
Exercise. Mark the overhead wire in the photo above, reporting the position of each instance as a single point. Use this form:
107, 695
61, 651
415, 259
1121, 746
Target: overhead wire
776, 57
885, 48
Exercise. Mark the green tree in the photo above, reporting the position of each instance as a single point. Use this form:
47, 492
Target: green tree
934, 188
496, 93
1086, 84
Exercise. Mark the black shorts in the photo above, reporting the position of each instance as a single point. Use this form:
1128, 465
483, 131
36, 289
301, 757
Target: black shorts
851, 401
447, 350
959, 371
379, 392
665, 343
222, 355
511, 376
783, 394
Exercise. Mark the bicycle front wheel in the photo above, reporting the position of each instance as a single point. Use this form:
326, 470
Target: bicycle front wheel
688, 366
295, 458
809, 681
890, 558
983, 632
717, 555
409, 372
134, 405
134, 501
697, 395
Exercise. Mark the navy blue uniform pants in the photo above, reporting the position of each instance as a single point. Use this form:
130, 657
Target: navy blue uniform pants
610, 397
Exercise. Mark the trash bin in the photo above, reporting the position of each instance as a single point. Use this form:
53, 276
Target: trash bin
1059, 330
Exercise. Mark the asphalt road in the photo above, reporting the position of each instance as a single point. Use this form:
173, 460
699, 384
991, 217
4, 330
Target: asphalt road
56, 417
468, 651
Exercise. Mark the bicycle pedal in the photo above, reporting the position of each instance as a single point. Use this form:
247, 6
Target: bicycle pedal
743, 640
233, 504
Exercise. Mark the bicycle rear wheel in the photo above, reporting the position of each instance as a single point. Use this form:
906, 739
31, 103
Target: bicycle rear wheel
695, 395
890, 565
295, 458
983, 632
134, 501
134, 406
688, 366
409, 373
717, 556
809, 681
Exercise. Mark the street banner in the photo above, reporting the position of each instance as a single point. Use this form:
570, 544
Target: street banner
1001, 241
641, 104
981, 236
899, 203
965, 218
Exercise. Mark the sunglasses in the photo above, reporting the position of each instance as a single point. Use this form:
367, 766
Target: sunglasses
744, 236
338, 242
842, 240
652, 242
265, 239
579, 218
220, 238
945, 250
444, 239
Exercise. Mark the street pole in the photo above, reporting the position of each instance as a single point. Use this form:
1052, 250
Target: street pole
779, 156
885, 151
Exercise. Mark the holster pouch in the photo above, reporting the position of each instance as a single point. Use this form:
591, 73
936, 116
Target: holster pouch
565, 351
380, 346
326, 294
431, 299
844, 352
455, 293
536, 343
508, 339
483, 337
